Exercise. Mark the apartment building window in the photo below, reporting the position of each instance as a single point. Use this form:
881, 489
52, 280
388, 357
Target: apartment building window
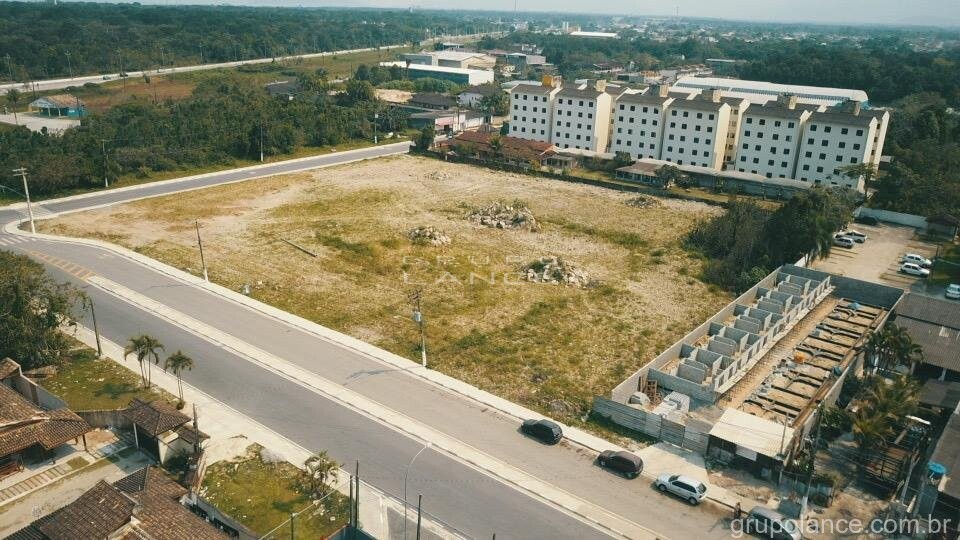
569, 113
808, 154
629, 131
645, 109
683, 138
683, 127
581, 103
516, 96
523, 118
640, 144
643, 133
810, 141
653, 146
839, 158
695, 140
749, 120
756, 160
673, 113
516, 107
842, 144
709, 129
524, 107
590, 115
670, 136
856, 146
759, 134
629, 142
790, 125
859, 133
756, 147
773, 149
696, 127
514, 128
514, 118
770, 163
820, 169
579, 115
568, 124
523, 130
655, 111
558, 136
699, 115
686, 114
669, 149
579, 126
622, 108
763, 122
823, 156
769, 175
776, 123
694, 152
619, 130
673, 125
711, 116
524, 97
823, 143
853, 160
633, 107
542, 132
806, 167
789, 138
707, 141
776, 137
813, 127
590, 104
706, 154
786, 151
746, 146
743, 159
654, 122
827, 129
844, 131
578, 136
619, 141
783, 164
643, 121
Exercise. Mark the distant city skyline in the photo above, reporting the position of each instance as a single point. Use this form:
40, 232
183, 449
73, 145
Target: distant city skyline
941, 13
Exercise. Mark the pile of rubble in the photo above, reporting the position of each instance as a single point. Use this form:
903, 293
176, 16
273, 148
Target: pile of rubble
501, 215
642, 202
556, 270
429, 236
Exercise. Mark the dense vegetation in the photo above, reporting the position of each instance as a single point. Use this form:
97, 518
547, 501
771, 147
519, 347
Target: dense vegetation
747, 243
46, 41
225, 119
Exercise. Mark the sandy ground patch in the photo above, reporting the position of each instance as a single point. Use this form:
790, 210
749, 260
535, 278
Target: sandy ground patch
547, 346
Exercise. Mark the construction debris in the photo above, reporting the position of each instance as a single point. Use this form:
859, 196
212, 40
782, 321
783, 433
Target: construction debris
501, 215
429, 236
556, 270
642, 202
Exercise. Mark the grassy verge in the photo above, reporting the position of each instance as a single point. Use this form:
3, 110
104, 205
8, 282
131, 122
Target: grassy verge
263, 495
87, 383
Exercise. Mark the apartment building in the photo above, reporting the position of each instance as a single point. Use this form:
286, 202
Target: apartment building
738, 106
581, 118
770, 137
836, 138
638, 120
696, 130
531, 111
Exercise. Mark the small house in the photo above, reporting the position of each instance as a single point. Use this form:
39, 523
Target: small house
161, 430
58, 106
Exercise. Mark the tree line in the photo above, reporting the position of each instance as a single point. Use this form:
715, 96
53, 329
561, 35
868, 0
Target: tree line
225, 119
747, 242
41, 40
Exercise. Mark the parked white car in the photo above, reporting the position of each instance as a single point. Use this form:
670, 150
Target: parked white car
914, 269
856, 235
917, 260
953, 291
843, 241
689, 489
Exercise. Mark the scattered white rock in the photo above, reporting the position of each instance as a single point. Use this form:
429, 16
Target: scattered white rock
501, 215
642, 201
429, 235
558, 271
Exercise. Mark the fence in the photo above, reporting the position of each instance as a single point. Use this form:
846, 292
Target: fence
910, 220
109, 418
653, 425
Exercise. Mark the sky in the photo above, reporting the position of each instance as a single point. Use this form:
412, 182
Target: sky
898, 12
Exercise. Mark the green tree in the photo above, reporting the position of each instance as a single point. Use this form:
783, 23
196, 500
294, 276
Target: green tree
145, 348
319, 471
669, 175
33, 310
497, 103
13, 98
359, 91
425, 138
176, 363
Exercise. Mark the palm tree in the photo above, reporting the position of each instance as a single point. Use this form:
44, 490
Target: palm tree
13, 98
903, 349
144, 347
869, 429
177, 362
319, 470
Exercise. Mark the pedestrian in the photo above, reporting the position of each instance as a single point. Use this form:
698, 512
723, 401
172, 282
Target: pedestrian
737, 512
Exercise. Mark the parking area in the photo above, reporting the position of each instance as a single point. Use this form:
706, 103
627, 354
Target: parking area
878, 259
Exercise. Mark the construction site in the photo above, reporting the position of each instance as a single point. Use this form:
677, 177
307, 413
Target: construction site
743, 387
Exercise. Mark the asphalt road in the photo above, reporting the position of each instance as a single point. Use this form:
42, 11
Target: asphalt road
457, 493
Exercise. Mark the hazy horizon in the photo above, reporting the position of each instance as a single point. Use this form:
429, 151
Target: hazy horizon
938, 13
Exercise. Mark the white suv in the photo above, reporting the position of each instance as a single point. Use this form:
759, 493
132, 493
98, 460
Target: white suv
917, 260
855, 235
688, 489
914, 269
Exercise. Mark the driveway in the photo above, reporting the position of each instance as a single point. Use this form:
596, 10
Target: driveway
878, 259
36, 123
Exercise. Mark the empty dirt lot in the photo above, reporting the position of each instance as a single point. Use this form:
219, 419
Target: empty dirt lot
549, 346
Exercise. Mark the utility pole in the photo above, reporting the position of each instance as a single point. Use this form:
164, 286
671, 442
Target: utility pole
261, 141
813, 462
376, 116
201, 53
203, 262
415, 298
106, 165
419, 511
96, 329
69, 65
22, 173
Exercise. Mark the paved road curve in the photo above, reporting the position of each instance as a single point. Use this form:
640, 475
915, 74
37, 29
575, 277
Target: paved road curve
470, 499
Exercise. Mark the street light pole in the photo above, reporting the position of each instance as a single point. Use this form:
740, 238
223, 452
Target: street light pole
203, 262
26, 192
415, 298
406, 474
96, 329
376, 116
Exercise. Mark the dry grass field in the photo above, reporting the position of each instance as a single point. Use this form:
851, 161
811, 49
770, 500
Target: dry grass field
551, 347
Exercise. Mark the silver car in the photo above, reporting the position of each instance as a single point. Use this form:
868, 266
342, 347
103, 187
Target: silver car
685, 487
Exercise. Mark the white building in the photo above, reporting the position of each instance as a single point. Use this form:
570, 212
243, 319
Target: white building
837, 138
599, 35
581, 118
696, 130
760, 92
457, 75
454, 59
770, 137
531, 111
738, 106
638, 120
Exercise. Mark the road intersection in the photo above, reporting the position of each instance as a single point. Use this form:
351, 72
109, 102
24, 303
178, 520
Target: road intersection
324, 390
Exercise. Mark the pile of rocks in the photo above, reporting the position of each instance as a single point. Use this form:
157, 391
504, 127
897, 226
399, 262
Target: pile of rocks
556, 270
642, 202
501, 215
429, 236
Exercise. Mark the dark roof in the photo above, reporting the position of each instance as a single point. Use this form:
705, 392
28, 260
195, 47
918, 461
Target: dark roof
645, 98
928, 309
433, 99
942, 394
585, 93
283, 88
8, 367
532, 89
155, 417
147, 494
510, 147
772, 109
838, 117
23, 424
484, 90
191, 435
946, 454
698, 104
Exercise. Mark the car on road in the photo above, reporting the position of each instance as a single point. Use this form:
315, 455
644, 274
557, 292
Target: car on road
843, 241
106, 77
689, 489
768, 523
953, 291
855, 235
543, 430
623, 463
918, 260
914, 269
866, 220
